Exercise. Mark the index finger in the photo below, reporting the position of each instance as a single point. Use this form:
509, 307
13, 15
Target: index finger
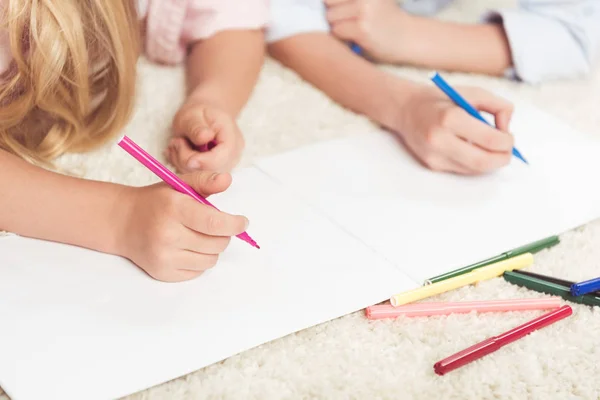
210, 221
501, 108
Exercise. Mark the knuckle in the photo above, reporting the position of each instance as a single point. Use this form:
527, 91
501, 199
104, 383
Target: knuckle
158, 259
432, 137
449, 116
211, 115
168, 236
432, 161
184, 117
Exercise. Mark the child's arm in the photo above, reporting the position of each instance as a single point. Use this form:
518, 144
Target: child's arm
431, 126
349, 80
150, 225
545, 40
226, 52
475, 48
222, 71
45, 205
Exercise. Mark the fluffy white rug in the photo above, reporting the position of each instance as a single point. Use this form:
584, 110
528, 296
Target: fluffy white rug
352, 357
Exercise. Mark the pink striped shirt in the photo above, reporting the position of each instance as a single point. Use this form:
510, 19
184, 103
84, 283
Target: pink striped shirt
171, 25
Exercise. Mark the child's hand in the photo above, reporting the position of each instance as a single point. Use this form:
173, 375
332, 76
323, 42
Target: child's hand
204, 138
445, 138
169, 234
378, 26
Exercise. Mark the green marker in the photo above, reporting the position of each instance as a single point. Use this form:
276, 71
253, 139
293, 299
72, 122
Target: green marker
562, 282
542, 286
528, 248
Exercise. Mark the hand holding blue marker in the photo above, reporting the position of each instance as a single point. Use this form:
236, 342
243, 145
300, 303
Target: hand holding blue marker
462, 103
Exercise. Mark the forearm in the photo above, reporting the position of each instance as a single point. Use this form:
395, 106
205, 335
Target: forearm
223, 69
435, 44
348, 79
45, 205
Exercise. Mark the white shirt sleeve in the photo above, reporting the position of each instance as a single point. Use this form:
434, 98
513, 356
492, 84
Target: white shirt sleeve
552, 39
293, 17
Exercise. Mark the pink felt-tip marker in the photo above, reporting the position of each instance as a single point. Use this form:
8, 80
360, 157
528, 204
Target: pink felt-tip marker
170, 178
429, 309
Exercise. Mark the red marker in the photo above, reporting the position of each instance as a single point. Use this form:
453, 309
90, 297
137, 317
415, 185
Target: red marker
494, 343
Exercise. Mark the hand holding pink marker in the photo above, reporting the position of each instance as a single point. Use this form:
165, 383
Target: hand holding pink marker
170, 178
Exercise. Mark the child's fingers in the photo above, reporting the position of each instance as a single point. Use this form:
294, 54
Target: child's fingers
207, 182
344, 11
201, 243
200, 137
189, 261
216, 159
503, 119
224, 130
195, 123
180, 154
457, 168
502, 109
474, 131
473, 158
346, 30
173, 276
440, 163
209, 221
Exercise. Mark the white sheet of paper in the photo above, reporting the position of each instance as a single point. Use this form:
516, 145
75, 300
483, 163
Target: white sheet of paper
429, 223
342, 225
77, 324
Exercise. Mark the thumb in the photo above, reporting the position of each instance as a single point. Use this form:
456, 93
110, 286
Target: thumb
196, 124
207, 183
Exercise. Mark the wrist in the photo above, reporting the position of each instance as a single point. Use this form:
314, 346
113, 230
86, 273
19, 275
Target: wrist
410, 35
204, 96
122, 201
397, 93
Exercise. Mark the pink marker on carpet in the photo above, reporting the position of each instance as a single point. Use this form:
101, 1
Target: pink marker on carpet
429, 309
170, 178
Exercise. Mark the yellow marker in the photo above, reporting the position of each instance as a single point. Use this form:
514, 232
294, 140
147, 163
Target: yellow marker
477, 275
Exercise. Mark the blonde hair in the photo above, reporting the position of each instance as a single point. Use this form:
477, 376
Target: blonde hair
71, 86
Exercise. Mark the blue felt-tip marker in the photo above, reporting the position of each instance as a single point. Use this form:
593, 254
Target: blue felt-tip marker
585, 287
356, 48
462, 103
